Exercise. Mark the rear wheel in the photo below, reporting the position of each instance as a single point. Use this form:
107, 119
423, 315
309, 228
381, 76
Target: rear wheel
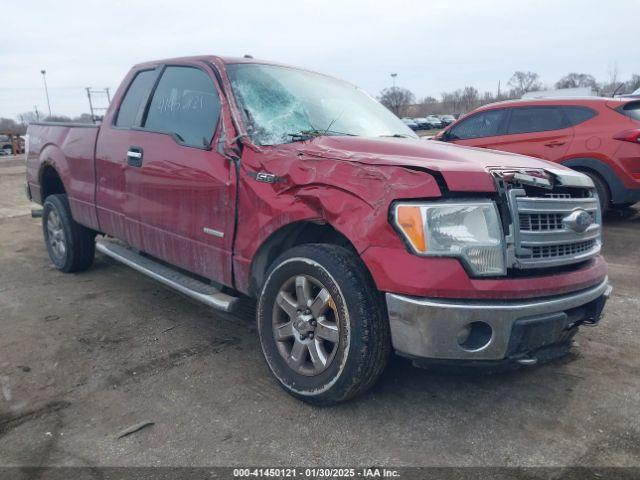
322, 325
71, 246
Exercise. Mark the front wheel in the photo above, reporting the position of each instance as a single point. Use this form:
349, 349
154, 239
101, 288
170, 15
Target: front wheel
322, 324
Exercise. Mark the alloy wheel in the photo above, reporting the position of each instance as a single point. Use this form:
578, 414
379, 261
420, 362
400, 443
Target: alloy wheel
306, 325
56, 235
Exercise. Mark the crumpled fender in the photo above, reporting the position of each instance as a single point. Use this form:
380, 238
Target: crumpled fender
353, 197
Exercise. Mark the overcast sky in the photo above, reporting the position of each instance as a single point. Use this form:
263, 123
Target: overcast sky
433, 45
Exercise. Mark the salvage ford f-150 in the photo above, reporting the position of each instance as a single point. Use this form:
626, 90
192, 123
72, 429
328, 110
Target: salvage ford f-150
230, 177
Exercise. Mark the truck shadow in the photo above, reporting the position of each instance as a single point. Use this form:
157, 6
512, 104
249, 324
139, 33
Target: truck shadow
623, 217
465, 388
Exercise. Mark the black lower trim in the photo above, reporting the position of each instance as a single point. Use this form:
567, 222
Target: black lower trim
543, 355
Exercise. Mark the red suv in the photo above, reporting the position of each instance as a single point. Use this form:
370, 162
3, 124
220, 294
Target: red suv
597, 136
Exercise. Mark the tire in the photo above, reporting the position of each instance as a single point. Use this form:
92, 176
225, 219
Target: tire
71, 246
602, 188
351, 331
623, 206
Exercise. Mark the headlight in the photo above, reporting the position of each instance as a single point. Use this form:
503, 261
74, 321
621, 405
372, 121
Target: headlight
470, 231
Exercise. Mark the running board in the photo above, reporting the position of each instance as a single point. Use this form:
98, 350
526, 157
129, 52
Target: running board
200, 291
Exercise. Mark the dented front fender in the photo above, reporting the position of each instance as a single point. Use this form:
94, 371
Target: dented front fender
285, 184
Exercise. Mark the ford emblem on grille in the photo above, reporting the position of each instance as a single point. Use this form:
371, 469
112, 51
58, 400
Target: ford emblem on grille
578, 220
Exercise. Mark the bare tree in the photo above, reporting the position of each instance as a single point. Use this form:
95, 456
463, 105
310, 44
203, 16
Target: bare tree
523, 82
26, 118
470, 98
396, 99
576, 80
57, 118
83, 118
613, 74
9, 125
633, 83
427, 106
452, 101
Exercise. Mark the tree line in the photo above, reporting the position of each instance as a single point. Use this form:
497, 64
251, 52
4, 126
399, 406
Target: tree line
20, 125
402, 101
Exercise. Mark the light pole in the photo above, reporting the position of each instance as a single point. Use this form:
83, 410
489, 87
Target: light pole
46, 91
394, 95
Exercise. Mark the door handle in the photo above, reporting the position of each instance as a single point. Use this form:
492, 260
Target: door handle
554, 144
134, 156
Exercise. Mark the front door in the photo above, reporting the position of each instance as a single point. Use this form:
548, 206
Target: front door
183, 189
482, 129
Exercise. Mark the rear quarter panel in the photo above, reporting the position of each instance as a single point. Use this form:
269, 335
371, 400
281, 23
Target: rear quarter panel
70, 151
593, 139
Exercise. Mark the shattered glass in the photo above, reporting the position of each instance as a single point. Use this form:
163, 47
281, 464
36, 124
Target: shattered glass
282, 104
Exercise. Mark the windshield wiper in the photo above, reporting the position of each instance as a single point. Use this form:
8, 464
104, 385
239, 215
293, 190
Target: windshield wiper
396, 135
316, 132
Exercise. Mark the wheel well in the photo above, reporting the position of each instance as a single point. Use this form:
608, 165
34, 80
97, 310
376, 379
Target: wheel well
50, 182
591, 171
289, 236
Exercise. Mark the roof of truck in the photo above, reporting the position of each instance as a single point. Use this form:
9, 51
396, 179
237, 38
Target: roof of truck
206, 58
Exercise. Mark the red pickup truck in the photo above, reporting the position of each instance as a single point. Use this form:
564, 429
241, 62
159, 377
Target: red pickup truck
230, 177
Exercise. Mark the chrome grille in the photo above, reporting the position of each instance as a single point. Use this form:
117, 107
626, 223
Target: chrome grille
540, 221
557, 195
544, 234
550, 251
543, 221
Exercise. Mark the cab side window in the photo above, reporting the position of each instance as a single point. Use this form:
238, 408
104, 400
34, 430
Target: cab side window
133, 103
483, 124
536, 119
185, 104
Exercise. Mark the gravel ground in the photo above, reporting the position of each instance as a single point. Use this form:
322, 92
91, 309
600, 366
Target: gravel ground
83, 357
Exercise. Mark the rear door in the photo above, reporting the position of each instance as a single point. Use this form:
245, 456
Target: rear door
537, 131
183, 189
115, 207
482, 129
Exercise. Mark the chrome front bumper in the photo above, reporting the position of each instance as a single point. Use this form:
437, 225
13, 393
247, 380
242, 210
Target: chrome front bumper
431, 328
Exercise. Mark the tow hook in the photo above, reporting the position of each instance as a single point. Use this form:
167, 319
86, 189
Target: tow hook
527, 361
591, 322
36, 213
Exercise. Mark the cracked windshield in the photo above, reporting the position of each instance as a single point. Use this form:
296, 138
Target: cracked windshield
282, 105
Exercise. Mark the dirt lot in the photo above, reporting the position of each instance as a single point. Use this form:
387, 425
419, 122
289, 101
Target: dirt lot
83, 357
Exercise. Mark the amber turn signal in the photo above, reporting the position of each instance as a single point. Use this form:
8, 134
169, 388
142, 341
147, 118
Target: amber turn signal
409, 218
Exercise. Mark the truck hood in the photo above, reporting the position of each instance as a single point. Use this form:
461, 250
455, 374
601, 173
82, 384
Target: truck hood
464, 169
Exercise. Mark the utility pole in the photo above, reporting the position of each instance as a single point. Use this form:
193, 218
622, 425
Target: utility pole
93, 117
393, 76
35, 107
46, 90
498, 89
